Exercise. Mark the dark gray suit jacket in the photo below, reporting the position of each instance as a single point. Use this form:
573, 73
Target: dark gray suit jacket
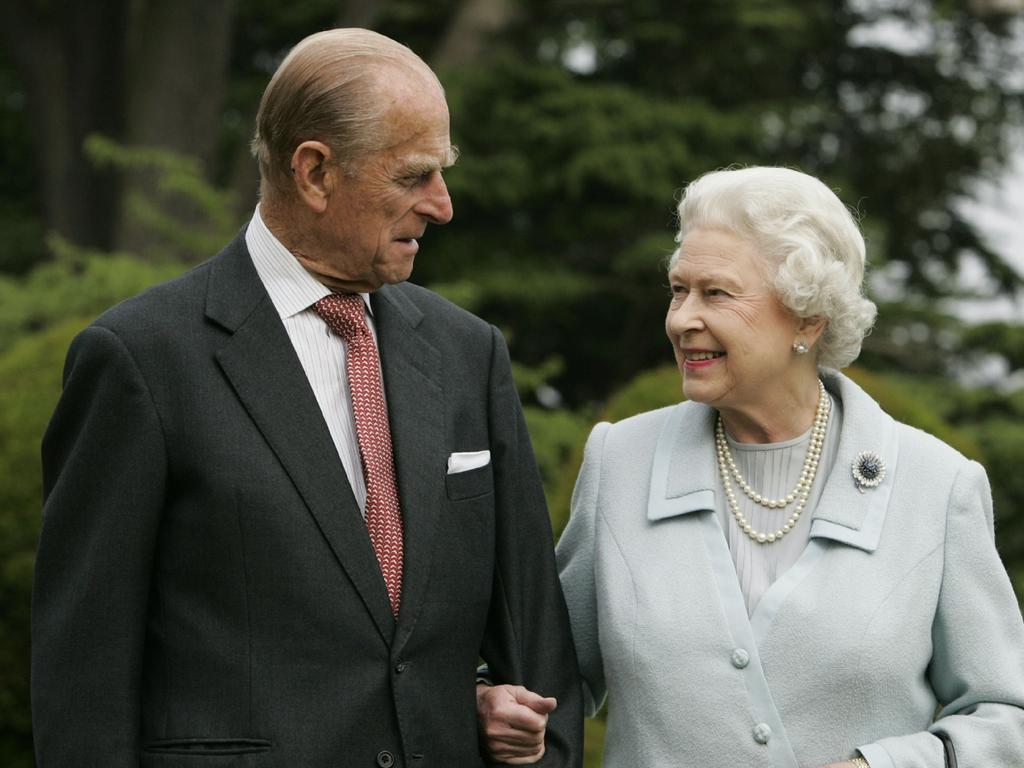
206, 592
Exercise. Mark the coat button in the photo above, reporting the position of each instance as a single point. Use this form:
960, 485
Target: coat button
385, 759
740, 658
762, 733
400, 667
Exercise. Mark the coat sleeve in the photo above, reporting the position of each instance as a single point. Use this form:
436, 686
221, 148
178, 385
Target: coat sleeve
977, 666
104, 471
528, 641
576, 564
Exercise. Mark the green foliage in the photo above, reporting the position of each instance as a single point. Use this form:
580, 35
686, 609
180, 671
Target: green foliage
1004, 446
563, 193
556, 435
20, 220
77, 283
184, 216
22, 244
29, 388
593, 741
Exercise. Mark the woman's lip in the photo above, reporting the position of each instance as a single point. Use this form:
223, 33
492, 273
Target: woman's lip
695, 364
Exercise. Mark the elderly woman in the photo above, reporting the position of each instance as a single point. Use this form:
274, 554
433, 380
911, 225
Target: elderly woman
776, 572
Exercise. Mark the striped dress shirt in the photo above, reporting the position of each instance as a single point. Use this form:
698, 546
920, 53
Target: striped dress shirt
321, 352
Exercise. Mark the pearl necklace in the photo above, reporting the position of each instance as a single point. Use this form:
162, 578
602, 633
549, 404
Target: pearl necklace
799, 494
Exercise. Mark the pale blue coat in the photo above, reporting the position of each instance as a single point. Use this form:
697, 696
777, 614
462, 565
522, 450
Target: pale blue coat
898, 608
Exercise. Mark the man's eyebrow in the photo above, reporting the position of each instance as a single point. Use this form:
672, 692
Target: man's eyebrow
416, 165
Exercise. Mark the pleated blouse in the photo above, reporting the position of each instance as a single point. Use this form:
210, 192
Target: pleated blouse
772, 469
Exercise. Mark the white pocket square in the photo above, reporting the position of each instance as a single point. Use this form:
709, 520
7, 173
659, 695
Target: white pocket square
463, 462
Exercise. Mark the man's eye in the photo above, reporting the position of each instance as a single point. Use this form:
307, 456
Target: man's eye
417, 178
716, 292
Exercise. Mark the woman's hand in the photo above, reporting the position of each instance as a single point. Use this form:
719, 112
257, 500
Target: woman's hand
512, 721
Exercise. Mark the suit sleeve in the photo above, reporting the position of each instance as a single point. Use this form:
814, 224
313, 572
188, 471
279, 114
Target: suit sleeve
576, 564
104, 470
528, 641
977, 666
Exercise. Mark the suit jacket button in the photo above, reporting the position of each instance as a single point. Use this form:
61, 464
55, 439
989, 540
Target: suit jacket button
740, 658
385, 759
762, 732
400, 667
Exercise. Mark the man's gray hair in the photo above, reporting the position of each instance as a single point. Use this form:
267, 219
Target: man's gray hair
808, 239
328, 89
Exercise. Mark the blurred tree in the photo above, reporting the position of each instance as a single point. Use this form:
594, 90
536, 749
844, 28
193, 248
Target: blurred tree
21, 220
71, 58
172, 45
585, 117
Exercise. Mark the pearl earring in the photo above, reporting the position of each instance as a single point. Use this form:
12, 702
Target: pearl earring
800, 348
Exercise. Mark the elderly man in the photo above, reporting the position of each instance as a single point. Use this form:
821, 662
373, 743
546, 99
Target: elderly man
264, 542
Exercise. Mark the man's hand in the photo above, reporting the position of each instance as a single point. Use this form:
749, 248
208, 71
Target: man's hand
512, 722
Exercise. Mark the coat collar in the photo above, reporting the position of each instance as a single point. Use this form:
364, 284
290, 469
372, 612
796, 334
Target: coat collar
684, 471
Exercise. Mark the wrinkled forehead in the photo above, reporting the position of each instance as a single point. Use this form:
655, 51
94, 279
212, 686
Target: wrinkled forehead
718, 253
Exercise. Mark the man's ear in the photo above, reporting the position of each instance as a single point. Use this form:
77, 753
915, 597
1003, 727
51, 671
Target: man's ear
312, 174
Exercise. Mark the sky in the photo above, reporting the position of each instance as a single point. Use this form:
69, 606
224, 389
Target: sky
998, 210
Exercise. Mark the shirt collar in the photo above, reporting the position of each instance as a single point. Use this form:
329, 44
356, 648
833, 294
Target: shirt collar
291, 288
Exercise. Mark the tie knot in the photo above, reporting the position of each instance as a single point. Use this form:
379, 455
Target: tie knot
344, 313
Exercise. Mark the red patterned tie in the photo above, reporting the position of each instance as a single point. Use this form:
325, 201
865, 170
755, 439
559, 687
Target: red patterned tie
344, 314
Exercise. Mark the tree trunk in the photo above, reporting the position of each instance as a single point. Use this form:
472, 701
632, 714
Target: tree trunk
359, 13
476, 24
72, 59
179, 52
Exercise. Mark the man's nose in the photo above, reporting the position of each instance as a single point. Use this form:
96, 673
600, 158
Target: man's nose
436, 205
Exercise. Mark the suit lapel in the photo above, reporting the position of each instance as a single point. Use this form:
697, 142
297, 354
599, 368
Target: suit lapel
260, 363
412, 382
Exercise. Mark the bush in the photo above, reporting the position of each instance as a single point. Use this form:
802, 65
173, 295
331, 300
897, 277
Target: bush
30, 381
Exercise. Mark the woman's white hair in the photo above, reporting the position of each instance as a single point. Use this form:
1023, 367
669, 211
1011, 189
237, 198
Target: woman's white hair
808, 239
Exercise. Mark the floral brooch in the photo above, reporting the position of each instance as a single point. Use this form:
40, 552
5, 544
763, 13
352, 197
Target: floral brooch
868, 470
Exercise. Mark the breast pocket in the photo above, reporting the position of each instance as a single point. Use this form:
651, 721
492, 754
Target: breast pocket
470, 484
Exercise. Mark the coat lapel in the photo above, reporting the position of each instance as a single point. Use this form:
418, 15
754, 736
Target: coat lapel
683, 471
412, 381
260, 363
844, 513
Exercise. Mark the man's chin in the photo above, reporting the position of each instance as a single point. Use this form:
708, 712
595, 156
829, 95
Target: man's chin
396, 274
